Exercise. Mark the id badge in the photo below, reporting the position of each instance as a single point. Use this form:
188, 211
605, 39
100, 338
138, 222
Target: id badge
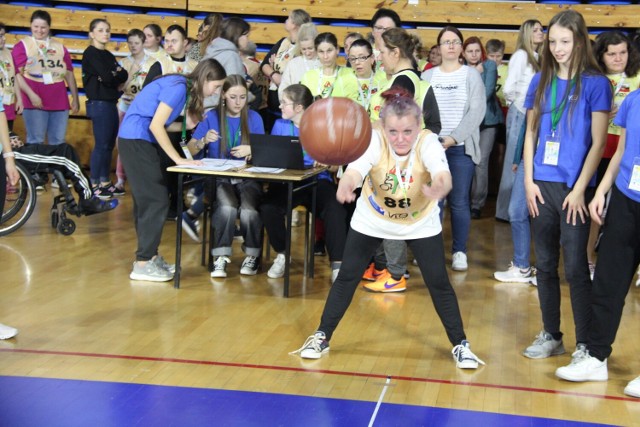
185, 150
8, 98
47, 78
551, 149
634, 182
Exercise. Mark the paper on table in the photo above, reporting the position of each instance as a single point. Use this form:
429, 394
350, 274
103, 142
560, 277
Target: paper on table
216, 165
257, 169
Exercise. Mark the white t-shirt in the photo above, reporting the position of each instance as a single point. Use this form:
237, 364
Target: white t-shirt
450, 90
366, 222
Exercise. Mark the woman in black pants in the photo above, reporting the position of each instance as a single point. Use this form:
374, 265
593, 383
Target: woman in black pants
414, 158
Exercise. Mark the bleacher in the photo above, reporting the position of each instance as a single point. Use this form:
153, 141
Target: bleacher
497, 19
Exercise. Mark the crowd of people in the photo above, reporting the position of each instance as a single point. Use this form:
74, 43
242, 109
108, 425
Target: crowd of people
562, 109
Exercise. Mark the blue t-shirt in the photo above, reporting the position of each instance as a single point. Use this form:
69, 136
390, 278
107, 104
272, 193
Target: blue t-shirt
212, 121
287, 128
172, 90
628, 117
575, 137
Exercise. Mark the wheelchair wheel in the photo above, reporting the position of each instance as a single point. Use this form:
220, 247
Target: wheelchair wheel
66, 227
20, 201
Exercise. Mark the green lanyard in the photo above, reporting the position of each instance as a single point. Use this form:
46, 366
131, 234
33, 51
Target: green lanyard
232, 142
556, 113
183, 141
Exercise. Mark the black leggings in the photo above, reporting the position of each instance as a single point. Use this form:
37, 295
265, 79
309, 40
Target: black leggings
429, 253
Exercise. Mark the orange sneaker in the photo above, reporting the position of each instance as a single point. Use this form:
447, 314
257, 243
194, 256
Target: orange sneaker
386, 283
371, 274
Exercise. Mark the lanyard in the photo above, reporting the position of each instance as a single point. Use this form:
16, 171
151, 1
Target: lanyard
321, 79
556, 113
183, 141
404, 183
236, 136
619, 85
365, 101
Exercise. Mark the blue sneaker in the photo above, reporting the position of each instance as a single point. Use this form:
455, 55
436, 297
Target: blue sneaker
191, 226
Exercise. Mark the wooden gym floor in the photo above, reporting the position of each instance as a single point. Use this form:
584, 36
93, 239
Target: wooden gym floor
96, 348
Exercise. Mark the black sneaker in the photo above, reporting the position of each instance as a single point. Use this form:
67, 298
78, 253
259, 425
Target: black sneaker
475, 214
117, 191
319, 248
101, 193
94, 205
250, 265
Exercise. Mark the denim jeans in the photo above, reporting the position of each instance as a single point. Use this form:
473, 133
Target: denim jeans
519, 219
550, 233
515, 121
462, 169
243, 197
49, 125
104, 117
480, 186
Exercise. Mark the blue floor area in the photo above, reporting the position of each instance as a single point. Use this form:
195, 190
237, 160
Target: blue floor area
27, 402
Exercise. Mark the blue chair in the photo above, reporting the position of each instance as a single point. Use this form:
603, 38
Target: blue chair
74, 7
72, 36
259, 20
128, 11
164, 13
348, 24
30, 3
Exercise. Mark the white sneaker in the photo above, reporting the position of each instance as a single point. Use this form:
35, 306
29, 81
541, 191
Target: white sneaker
459, 262
7, 332
583, 367
250, 265
638, 280
334, 274
152, 271
277, 269
464, 357
220, 267
515, 274
592, 270
544, 346
314, 347
633, 388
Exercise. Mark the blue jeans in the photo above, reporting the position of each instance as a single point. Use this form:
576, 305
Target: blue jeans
462, 169
104, 117
520, 223
49, 125
515, 121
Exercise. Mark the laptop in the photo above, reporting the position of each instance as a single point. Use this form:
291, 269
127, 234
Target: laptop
276, 151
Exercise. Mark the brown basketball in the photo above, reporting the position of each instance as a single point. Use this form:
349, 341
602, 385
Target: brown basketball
335, 131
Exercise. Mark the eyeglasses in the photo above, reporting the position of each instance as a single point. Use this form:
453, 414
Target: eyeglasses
354, 59
287, 104
381, 29
451, 43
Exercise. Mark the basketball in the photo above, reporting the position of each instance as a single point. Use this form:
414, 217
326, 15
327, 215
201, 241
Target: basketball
335, 131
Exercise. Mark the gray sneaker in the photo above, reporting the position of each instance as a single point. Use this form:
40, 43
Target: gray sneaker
544, 346
150, 272
160, 262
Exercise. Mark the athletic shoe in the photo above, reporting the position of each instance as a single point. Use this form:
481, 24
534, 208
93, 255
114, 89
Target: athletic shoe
160, 262
386, 283
250, 265
583, 367
220, 267
371, 274
314, 347
544, 346
475, 214
459, 262
406, 274
191, 226
94, 205
638, 279
515, 274
592, 270
116, 191
334, 274
633, 388
319, 248
277, 269
7, 332
415, 261
150, 272
101, 193
464, 357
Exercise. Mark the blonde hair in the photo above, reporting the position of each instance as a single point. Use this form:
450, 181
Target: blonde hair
308, 31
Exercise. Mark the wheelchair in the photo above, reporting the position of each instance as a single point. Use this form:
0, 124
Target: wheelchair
20, 201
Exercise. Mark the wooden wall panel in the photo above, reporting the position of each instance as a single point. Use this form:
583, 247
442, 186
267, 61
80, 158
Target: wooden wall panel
163, 4
436, 12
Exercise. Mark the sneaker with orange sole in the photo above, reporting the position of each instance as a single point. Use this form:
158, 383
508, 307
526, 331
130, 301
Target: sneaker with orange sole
386, 283
371, 274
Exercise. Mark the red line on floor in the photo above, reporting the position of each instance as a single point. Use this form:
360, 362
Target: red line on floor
319, 371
